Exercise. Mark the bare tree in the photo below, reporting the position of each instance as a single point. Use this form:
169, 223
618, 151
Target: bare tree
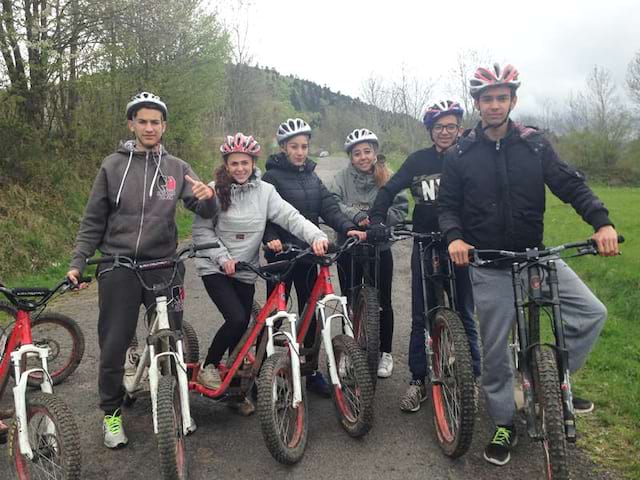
466, 63
633, 79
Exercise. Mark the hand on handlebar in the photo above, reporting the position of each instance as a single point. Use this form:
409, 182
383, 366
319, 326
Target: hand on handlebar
378, 233
229, 267
275, 246
74, 277
459, 252
362, 236
606, 239
364, 223
320, 247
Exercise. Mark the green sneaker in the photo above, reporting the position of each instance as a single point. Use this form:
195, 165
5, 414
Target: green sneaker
498, 451
114, 436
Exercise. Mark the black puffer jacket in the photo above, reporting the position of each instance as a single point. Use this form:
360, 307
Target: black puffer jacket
302, 188
492, 194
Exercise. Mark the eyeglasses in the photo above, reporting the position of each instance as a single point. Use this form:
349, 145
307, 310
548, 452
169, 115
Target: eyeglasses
450, 127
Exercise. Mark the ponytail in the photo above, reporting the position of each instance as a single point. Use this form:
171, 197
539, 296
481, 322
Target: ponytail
223, 186
381, 173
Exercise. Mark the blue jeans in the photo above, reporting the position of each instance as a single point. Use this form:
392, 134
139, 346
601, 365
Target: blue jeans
464, 296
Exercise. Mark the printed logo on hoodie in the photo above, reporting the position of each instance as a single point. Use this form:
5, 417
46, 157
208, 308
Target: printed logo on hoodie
166, 188
425, 189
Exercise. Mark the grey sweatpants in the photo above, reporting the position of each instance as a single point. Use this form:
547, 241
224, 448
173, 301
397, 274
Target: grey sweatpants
582, 313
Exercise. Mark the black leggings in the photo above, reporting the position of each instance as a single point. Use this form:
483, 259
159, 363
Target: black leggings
234, 300
385, 281
303, 277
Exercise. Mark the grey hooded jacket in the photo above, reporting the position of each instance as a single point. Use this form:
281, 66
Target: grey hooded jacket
239, 230
356, 191
132, 206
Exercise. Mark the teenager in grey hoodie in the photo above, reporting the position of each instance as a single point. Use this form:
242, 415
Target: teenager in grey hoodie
131, 212
245, 204
355, 188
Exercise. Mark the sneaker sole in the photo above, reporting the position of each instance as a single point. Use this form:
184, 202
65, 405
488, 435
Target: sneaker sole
117, 446
497, 462
384, 374
415, 409
584, 411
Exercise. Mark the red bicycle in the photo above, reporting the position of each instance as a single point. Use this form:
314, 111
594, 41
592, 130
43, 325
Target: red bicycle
281, 403
43, 439
353, 390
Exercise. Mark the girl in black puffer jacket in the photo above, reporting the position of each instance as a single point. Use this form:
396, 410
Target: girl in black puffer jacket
292, 173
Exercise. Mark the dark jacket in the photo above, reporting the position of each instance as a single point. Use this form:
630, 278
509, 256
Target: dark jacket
303, 189
420, 171
132, 206
492, 194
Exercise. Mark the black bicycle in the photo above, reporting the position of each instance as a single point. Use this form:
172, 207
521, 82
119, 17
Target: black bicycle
447, 345
542, 369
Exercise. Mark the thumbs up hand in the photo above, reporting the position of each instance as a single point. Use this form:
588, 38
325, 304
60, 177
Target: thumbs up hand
201, 190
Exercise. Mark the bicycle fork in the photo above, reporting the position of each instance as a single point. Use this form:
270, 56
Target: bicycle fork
326, 330
292, 345
180, 368
20, 392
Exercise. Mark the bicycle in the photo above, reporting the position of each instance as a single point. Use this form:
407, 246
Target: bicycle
447, 346
43, 439
162, 361
282, 408
542, 369
353, 389
364, 302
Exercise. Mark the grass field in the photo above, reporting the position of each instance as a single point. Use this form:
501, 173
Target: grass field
612, 374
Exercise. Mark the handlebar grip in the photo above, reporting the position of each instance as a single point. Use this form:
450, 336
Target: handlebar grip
85, 279
620, 239
332, 248
206, 246
96, 261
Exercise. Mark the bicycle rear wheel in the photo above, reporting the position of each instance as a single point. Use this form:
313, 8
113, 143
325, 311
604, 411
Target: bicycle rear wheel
453, 388
354, 399
366, 325
54, 439
284, 428
551, 417
190, 345
173, 460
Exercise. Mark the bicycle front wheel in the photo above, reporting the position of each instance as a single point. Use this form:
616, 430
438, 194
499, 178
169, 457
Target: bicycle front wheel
173, 460
452, 387
551, 416
54, 440
354, 399
366, 326
284, 427
64, 339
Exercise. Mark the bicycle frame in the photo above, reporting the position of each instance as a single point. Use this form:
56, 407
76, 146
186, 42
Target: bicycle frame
321, 294
276, 301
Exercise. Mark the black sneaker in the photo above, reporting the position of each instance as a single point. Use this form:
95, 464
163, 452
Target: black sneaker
582, 405
499, 448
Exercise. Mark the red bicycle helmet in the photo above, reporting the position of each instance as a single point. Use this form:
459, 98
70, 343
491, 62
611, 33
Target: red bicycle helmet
240, 143
484, 78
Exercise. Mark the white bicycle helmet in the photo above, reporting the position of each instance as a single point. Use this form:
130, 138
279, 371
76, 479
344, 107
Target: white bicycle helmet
359, 135
240, 143
146, 99
484, 78
292, 127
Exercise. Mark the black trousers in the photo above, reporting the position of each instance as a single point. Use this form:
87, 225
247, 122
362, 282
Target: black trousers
234, 300
385, 282
120, 295
302, 277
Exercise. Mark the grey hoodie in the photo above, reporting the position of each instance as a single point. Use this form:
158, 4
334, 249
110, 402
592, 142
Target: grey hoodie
239, 230
132, 206
356, 191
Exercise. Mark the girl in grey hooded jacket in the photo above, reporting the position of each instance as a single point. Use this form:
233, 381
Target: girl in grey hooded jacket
245, 204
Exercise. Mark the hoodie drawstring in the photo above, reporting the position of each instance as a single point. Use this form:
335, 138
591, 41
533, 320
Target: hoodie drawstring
126, 171
155, 175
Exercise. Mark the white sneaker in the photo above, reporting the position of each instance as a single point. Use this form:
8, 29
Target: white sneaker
385, 366
114, 436
209, 377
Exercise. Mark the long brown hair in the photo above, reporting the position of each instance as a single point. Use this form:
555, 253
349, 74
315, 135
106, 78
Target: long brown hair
381, 173
223, 185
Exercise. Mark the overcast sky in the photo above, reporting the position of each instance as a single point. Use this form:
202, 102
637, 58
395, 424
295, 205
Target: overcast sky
554, 44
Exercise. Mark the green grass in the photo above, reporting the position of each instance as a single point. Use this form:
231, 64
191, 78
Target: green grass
611, 377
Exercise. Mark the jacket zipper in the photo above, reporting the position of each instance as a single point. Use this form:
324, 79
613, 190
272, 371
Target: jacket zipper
144, 198
498, 145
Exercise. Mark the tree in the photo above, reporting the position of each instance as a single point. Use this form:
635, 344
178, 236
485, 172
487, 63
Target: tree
467, 61
633, 79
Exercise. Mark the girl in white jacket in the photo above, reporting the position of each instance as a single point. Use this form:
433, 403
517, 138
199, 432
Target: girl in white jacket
244, 205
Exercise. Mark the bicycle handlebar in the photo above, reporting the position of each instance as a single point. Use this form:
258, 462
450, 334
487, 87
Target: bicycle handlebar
585, 247
155, 264
15, 295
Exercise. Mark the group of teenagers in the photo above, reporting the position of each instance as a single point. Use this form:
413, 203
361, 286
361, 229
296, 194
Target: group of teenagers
482, 188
